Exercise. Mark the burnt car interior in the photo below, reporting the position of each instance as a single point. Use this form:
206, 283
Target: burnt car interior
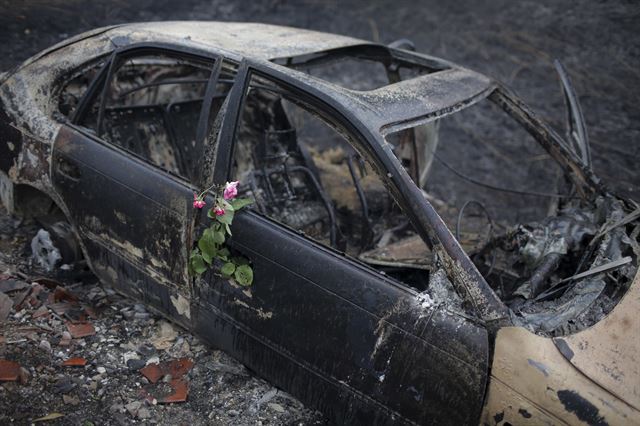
559, 260
302, 171
541, 249
151, 109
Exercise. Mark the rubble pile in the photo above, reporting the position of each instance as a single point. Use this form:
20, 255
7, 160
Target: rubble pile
76, 352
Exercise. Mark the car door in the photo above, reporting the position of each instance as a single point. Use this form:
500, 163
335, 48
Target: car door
125, 171
341, 336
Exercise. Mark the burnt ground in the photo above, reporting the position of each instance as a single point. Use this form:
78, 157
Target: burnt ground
70, 317
514, 42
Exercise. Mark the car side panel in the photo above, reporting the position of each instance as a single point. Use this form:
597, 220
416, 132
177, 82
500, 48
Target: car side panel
127, 207
342, 338
533, 383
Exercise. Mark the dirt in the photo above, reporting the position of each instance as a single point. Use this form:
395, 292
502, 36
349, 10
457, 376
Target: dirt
121, 342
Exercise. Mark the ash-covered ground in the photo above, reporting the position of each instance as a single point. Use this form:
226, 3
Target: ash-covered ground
75, 352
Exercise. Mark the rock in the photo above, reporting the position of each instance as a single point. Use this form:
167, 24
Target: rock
133, 407
164, 337
153, 360
24, 375
141, 315
101, 370
233, 413
144, 413
128, 356
65, 340
5, 306
71, 400
276, 407
136, 364
138, 307
64, 385
147, 350
117, 408
45, 346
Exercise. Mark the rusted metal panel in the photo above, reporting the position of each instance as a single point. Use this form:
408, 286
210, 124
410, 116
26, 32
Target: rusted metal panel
530, 375
609, 351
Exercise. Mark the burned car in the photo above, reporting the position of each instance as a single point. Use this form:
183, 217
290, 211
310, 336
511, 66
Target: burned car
425, 249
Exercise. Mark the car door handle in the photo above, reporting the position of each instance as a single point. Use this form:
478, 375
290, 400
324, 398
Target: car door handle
68, 169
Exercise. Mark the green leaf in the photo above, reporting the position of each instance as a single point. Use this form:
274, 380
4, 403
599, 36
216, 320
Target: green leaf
223, 253
197, 264
218, 236
244, 275
228, 269
239, 203
227, 228
226, 218
207, 244
207, 257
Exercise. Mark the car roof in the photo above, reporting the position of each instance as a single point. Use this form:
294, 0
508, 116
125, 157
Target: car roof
388, 108
250, 40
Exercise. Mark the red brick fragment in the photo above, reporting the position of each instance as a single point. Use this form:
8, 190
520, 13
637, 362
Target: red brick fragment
75, 362
41, 312
9, 371
180, 392
80, 329
61, 294
178, 367
153, 372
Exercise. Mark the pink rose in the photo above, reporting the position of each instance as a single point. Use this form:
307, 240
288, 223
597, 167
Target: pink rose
197, 202
230, 190
219, 211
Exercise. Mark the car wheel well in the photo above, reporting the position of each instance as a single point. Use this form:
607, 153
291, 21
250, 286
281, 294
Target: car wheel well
31, 202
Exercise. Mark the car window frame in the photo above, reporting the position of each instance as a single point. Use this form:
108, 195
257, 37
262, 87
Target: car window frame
98, 86
323, 108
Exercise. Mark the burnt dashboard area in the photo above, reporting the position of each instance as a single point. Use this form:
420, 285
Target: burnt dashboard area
559, 260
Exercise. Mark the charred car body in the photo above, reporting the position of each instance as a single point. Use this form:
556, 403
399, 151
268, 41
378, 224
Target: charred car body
360, 159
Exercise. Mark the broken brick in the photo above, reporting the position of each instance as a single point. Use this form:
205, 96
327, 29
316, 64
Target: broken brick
50, 283
80, 329
178, 367
60, 308
9, 371
153, 372
40, 312
180, 392
75, 362
61, 294
175, 368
